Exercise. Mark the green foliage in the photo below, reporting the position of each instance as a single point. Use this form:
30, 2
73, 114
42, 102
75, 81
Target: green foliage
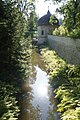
75, 33
53, 20
70, 9
65, 80
72, 114
71, 12
61, 31
31, 21
14, 57
8, 104
55, 1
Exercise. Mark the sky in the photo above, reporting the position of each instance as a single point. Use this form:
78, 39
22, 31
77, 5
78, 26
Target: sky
42, 8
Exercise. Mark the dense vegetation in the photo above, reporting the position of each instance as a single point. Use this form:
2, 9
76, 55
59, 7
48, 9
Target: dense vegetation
17, 26
14, 53
70, 9
65, 80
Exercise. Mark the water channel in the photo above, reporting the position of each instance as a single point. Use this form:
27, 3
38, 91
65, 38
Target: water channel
37, 101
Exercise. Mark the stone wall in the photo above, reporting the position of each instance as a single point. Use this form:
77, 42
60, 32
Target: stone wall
67, 48
47, 29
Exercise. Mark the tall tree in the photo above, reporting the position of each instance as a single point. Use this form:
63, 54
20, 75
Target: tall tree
31, 20
71, 11
13, 55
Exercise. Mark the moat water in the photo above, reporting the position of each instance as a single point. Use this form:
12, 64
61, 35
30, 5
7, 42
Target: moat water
37, 102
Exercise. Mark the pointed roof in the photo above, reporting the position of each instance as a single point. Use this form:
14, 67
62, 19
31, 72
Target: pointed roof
44, 20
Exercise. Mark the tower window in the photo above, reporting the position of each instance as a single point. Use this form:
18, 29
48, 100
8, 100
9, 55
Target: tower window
42, 32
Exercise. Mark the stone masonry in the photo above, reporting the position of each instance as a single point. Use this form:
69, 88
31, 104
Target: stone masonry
67, 48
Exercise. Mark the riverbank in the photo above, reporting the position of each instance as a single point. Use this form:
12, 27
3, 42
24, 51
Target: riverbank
12, 75
65, 80
36, 100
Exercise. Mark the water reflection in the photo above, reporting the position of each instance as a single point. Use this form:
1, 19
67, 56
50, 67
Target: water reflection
40, 87
40, 92
37, 100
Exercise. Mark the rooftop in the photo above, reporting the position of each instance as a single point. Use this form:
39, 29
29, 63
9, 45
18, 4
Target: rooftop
44, 20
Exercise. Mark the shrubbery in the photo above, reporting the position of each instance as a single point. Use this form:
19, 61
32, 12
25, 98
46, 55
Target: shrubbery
14, 56
8, 103
71, 12
75, 33
65, 80
61, 31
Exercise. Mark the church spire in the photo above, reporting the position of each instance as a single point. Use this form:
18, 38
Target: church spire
48, 8
48, 11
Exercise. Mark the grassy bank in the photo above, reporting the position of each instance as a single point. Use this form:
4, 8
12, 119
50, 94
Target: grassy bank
65, 80
10, 88
8, 103
12, 75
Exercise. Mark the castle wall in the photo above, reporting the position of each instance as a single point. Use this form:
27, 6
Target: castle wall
67, 48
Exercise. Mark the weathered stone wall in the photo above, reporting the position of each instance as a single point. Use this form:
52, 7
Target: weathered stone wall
42, 38
47, 29
67, 48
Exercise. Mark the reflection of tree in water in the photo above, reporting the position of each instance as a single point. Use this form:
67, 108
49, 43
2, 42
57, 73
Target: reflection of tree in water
50, 115
35, 61
35, 57
35, 113
32, 76
52, 111
24, 100
28, 111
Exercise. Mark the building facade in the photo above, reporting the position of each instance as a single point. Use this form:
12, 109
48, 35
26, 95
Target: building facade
45, 27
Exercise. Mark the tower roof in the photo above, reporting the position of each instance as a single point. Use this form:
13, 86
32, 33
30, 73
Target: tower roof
44, 20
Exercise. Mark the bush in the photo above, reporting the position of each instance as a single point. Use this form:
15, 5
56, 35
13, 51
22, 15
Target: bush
75, 33
8, 104
65, 80
61, 31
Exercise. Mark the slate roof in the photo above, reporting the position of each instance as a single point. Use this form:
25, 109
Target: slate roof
44, 20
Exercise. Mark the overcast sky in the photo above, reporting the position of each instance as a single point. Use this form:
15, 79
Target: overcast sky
42, 7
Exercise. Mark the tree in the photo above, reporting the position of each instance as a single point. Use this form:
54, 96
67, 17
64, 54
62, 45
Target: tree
14, 56
71, 11
31, 20
55, 1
